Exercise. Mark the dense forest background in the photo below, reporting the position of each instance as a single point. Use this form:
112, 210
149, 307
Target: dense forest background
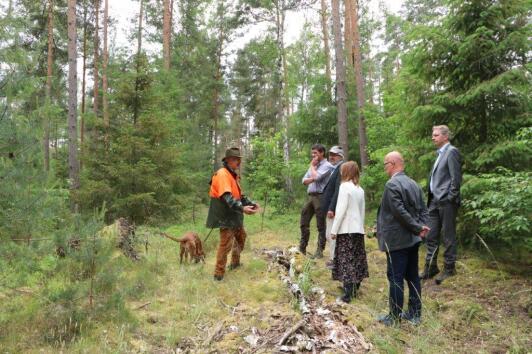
91, 131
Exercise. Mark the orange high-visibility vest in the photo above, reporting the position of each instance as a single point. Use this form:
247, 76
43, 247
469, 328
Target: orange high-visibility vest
223, 182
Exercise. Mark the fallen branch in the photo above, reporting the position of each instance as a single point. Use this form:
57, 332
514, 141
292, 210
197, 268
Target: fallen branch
143, 305
323, 326
215, 333
291, 331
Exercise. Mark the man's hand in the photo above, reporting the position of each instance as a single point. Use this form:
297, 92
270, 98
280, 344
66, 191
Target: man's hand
330, 214
248, 209
308, 181
424, 231
314, 161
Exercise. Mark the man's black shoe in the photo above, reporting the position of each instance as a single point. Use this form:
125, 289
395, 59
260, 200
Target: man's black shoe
389, 320
447, 273
412, 318
218, 277
234, 266
429, 272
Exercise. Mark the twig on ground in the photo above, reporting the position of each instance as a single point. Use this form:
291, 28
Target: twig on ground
143, 305
291, 331
214, 334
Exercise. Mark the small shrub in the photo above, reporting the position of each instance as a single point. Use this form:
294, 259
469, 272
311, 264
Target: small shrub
497, 207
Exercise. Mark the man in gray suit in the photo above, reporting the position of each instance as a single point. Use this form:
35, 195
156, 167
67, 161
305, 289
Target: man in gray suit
443, 201
400, 226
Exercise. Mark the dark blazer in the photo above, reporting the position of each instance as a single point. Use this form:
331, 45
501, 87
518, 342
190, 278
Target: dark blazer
329, 197
446, 178
401, 215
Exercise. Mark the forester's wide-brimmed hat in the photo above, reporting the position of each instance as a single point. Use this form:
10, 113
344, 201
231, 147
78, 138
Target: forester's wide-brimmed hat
232, 152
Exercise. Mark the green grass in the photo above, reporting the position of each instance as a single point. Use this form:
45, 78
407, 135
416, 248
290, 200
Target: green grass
160, 305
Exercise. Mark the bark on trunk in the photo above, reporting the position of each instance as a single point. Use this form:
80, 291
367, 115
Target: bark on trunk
48, 90
139, 51
340, 79
73, 162
167, 25
83, 82
326, 49
218, 83
283, 101
105, 102
348, 32
362, 137
139, 33
96, 93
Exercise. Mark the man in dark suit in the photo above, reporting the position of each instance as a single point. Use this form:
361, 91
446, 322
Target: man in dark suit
443, 202
400, 226
329, 197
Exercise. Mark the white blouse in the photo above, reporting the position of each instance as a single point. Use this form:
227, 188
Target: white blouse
350, 210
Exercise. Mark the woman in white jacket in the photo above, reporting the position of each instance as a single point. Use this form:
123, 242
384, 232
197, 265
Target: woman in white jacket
350, 262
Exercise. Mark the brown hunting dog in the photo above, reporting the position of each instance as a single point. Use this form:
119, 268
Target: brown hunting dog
191, 245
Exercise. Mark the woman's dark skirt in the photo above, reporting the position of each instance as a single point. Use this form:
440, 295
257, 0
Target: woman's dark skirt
350, 261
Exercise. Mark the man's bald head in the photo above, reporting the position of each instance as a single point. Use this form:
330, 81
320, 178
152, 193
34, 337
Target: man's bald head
393, 163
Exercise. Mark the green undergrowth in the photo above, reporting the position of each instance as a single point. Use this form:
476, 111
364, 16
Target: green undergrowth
159, 305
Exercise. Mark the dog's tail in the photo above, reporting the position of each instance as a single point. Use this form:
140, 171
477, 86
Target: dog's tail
171, 237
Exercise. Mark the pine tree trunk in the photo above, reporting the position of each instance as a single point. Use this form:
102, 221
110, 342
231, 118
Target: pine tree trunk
340, 79
348, 32
83, 82
105, 102
283, 102
217, 83
167, 25
362, 137
46, 140
326, 49
139, 51
96, 56
73, 162
139, 33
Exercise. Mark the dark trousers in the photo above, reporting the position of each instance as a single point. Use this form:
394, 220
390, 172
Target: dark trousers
403, 265
311, 208
442, 221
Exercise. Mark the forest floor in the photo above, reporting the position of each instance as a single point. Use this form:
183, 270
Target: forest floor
180, 308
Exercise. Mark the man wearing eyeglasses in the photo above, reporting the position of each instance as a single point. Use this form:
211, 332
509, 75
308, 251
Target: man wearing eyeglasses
401, 224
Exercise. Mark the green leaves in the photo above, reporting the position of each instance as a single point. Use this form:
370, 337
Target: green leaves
498, 205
